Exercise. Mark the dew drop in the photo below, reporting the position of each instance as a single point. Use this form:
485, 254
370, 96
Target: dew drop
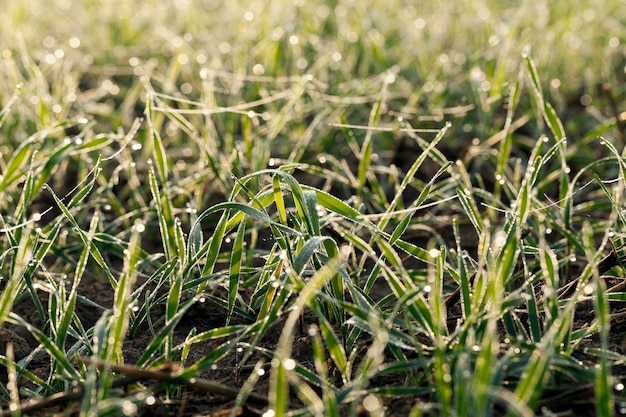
140, 227
289, 364
129, 408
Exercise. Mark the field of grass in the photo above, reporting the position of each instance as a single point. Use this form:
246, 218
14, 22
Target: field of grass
335, 208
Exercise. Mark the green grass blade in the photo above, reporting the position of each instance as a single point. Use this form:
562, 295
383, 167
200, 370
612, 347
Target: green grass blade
235, 268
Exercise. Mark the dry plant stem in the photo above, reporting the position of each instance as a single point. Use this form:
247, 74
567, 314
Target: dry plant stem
61, 398
167, 377
134, 374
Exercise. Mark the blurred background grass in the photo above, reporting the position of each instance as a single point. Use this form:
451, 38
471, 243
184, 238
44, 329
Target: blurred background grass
444, 53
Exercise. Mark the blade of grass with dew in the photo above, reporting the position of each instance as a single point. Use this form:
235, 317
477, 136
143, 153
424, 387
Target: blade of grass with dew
14, 285
164, 214
613, 150
532, 381
439, 313
173, 303
534, 317
374, 356
556, 126
281, 366
121, 299
423, 195
55, 352
466, 198
209, 249
157, 342
52, 161
235, 269
23, 372
442, 369
15, 167
365, 154
261, 201
65, 209
464, 279
605, 401
549, 267
160, 276
4, 113
329, 401
266, 285
212, 357
26, 197
247, 388
334, 346
360, 317
335, 205
408, 177
412, 301
274, 302
246, 210
66, 310
279, 200
44, 245
507, 142
297, 192
307, 251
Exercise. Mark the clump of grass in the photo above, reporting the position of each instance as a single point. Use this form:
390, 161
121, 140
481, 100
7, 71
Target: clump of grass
311, 192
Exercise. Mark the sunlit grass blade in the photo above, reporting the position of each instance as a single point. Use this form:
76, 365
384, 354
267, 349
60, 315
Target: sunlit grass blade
15, 167
158, 340
334, 346
164, 213
409, 176
65, 312
284, 365
235, 268
57, 355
